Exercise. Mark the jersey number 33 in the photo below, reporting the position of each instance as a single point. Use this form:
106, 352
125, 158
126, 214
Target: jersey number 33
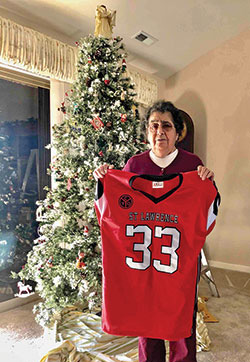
147, 258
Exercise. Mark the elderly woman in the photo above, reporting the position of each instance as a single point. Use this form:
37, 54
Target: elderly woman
164, 126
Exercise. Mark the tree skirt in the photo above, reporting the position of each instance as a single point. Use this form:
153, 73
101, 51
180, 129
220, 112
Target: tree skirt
83, 340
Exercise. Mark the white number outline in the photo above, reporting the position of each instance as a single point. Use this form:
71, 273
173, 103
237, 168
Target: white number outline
143, 247
169, 250
159, 231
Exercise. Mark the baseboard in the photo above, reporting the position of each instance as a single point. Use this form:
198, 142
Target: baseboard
236, 267
17, 302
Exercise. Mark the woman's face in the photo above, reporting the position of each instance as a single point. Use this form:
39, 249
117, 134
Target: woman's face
161, 133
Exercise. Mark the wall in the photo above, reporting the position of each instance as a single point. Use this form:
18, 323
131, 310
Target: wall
215, 91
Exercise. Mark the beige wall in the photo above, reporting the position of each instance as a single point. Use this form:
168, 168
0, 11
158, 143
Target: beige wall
215, 91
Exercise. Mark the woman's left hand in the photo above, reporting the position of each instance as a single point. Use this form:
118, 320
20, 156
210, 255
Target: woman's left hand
205, 173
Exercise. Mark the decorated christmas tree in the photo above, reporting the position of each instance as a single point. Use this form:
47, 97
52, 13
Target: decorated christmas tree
100, 126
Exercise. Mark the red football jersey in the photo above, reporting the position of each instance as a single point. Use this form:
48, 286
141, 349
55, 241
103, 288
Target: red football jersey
153, 229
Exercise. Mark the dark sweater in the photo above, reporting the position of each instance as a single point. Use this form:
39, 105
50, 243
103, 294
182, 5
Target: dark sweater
142, 164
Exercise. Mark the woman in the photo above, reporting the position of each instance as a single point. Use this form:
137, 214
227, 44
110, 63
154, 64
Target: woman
164, 126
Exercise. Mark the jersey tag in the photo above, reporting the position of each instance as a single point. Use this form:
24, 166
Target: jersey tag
157, 184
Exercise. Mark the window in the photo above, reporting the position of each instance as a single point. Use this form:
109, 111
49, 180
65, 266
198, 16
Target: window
24, 133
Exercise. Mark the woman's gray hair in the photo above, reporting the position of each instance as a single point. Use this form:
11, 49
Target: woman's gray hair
166, 106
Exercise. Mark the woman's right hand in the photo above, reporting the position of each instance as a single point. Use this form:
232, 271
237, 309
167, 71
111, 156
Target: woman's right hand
101, 171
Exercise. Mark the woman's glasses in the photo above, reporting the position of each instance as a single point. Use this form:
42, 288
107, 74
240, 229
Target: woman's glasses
155, 126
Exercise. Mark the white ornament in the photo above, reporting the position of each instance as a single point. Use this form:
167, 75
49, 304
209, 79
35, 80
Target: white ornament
24, 290
40, 213
57, 280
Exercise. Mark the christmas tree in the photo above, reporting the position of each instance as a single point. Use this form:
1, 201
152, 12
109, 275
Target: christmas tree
100, 126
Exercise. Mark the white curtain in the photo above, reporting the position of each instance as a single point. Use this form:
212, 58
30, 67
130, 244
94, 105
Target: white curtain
40, 54
36, 52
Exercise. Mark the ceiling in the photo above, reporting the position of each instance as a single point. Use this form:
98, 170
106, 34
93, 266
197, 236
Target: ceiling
185, 29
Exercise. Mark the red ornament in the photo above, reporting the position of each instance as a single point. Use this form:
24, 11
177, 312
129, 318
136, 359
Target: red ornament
66, 94
89, 61
76, 43
100, 153
97, 123
106, 79
69, 184
86, 231
79, 262
123, 117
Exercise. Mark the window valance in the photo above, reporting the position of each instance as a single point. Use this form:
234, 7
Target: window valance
38, 53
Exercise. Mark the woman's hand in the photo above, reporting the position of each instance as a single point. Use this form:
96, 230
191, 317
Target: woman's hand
101, 171
205, 173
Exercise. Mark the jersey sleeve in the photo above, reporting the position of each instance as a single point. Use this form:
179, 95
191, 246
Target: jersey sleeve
213, 212
214, 202
99, 200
